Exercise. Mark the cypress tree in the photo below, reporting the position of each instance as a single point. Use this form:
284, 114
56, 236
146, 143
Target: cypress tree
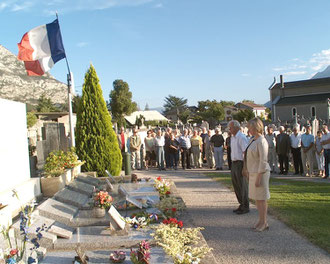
96, 140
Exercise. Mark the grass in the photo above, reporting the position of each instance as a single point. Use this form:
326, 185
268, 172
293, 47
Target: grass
304, 206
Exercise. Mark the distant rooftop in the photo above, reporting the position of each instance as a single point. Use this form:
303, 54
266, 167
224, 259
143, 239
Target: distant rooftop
149, 115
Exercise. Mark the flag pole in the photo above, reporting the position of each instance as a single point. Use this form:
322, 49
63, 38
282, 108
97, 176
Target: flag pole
72, 142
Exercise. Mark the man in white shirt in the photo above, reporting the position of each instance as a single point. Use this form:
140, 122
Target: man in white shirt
238, 143
159, 142
295, 139
325, 142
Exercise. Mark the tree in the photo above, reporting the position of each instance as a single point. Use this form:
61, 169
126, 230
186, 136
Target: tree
75, 103
227, 103
96, 140
121, 101
244, 115
175, 103
248, 101
210, 111
45, 104
31, 119
146, 108
269, 114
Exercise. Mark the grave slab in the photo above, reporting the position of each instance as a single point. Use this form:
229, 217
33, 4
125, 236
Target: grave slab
37, 221
61, 230
88, 179
98, 237
158, 256
81, 187
87, 218
72, 198
58, 211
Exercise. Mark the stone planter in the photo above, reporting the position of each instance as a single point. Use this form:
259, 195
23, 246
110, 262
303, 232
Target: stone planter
75, 171
51, 185
99, 212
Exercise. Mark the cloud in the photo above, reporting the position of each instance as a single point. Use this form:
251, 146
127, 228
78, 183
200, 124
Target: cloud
290, 73
320, 60
245, 74
317, 62
49, 7
82, 44
22, 6
3, 6
159, 5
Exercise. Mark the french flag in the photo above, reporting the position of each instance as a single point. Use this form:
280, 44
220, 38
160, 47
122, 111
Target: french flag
41, 48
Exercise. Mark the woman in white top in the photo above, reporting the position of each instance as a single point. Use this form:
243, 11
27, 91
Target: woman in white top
258, 171
319, 153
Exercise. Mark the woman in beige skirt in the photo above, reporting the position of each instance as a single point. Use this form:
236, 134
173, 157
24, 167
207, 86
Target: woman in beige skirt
258, 171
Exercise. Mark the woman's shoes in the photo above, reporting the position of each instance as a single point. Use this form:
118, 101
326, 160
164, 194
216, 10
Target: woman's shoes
262, 228
255, 225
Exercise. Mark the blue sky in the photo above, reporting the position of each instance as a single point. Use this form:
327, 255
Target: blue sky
197, 49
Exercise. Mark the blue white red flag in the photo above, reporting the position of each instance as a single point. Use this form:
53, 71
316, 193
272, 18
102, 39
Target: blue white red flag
41, 48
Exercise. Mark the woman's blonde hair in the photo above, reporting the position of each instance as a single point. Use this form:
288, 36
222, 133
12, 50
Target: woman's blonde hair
257, 124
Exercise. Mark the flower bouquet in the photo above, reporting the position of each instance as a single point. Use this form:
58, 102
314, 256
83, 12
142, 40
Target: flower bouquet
163, 186
102, 200
117, 257
142, 255
173, 222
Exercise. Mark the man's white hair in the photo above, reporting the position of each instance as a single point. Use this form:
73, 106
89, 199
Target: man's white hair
235, 123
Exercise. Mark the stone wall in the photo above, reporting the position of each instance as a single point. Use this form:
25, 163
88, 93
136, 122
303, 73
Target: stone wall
14, 160
284, 112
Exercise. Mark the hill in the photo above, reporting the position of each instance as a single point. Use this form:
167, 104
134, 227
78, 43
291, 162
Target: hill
16, 85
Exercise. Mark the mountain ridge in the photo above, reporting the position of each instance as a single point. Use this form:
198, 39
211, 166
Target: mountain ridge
16, 85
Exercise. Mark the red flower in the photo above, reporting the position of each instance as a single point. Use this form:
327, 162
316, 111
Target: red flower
173, 210
180, 224
159, 178
13, 252
168, 192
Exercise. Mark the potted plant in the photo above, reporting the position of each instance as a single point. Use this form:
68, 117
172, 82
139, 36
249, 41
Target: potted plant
102, 201
58, 171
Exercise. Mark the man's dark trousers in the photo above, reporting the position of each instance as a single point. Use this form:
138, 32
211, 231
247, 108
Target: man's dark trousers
297, 162
240, 184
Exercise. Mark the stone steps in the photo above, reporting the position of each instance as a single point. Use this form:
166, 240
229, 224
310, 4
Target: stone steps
58, 211
98, 237
81, 187
38, 221
74, 198
82, 177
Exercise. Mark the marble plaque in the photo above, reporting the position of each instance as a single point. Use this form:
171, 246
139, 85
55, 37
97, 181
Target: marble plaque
122, 191
112, 179
116, 220
60, 232
134, 201
110, 186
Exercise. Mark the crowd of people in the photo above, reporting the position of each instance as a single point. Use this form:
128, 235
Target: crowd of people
195, 148
253, 153
169, 148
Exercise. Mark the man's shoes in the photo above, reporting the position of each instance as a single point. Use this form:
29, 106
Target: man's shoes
217, 169
281, 173
243, 211
285, 173
325, 177
236, 210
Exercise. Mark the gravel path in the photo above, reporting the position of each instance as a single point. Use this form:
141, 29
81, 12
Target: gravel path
210, 204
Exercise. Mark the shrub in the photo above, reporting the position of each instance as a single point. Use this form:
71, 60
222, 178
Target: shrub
58, 161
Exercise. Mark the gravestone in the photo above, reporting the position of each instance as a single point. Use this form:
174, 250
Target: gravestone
73, 198
112, 179
133, 201
109, 185
81, 187
58, 211
117, 224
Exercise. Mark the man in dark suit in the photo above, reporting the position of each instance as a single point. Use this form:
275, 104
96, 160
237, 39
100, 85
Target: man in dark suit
283, 144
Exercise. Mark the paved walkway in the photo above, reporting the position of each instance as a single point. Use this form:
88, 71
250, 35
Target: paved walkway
210, 204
